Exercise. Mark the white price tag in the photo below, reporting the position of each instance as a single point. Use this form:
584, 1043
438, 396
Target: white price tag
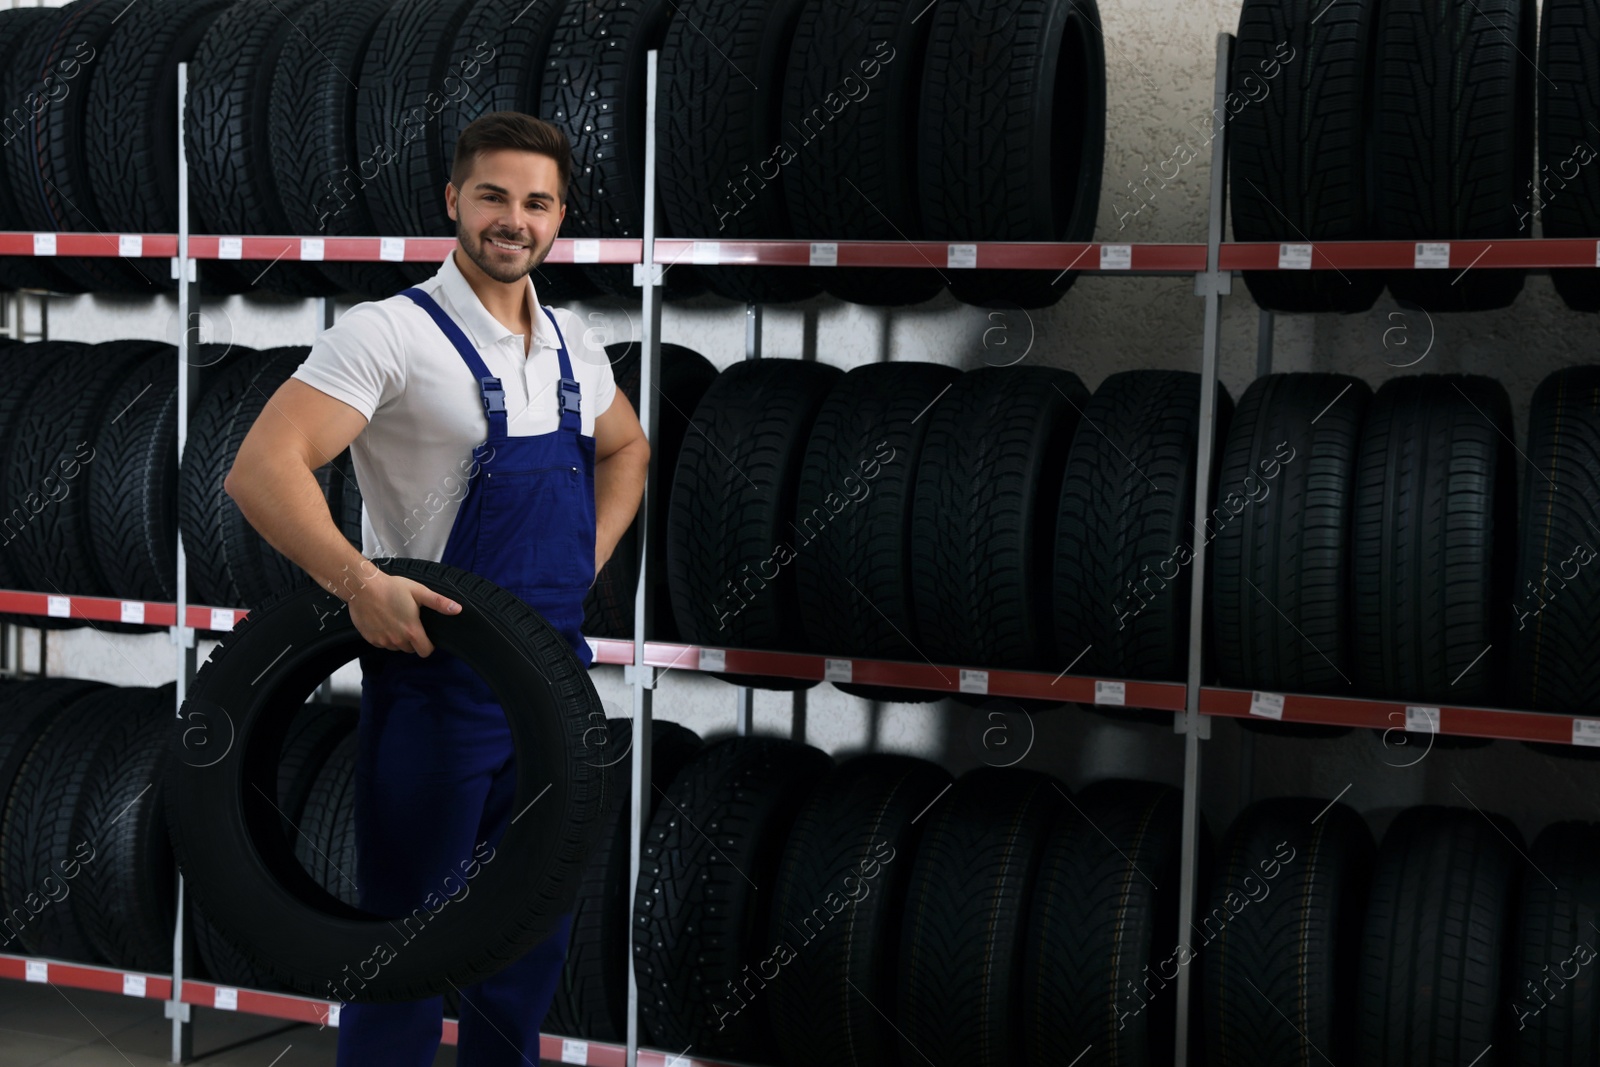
586, 250
1597, 253
838, 670
133, 985
1116, 257
574, 1051
824, 254
1422, 720
1294, 257
974, 681
311, 248
707, 253
676, 1060
961, 257
1114, 693
133, 611
1267, 705
130, 245
222, 618
392, 248
44, 244
58, 607
713, 659
1586, 732
226, 999
1432, 255
230, 248
333, 1013
37, 971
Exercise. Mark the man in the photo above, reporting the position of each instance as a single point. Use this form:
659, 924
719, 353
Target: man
481, 440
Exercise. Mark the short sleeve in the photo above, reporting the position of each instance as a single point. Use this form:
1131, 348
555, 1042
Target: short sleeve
358, 359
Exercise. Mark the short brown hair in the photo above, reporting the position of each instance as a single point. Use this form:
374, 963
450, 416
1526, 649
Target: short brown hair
511, 129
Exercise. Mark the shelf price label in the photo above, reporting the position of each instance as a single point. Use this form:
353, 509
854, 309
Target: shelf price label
961, 257
706, 253
838, 670
713, 659
586, 250
230, 248
133, 611
44, 244
1116, 257
58, 607
1432, 255
392, 249
574, 1051
311, 248
677, 1059
222, 618
133, 985
226, 999
1586, 732
1114, 694
130, 245
824, 254
333, 1013
1266, 705
974, 681
36, 971
1422, 720
1294, 257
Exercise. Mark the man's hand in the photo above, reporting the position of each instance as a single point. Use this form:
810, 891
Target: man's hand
387, 611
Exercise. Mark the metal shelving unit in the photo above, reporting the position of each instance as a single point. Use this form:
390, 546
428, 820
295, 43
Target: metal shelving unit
1192, 703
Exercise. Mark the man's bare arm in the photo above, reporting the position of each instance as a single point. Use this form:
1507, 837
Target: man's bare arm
622, 459
273, 481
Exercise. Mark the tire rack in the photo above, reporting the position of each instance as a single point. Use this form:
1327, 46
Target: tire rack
645, 661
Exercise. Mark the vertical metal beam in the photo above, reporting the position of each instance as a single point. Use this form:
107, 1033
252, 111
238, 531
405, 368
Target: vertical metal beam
744, 697
644, 678
182, 635
1212, 285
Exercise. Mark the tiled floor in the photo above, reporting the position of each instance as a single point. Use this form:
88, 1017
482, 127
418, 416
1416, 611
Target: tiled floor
49, 1024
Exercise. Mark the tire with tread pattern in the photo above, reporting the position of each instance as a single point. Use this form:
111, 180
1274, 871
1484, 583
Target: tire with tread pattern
1012, 135
1287, 557
1434, 540
1125, 505
1439, 919
1452, 162
1559, 1021
1569, 58
592, 1000
983, 516
1555, 632
725, 127
854, 572
860, 825
1296, 938
733, 500
1298, 155
964, 926
700, 909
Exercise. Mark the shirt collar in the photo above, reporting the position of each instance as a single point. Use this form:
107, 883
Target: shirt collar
483, 328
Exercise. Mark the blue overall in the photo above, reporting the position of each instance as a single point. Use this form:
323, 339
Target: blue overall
435, 775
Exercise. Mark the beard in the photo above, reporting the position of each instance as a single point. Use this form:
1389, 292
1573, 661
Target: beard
495, 262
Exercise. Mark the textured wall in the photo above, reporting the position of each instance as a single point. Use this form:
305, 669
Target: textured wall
1161, 59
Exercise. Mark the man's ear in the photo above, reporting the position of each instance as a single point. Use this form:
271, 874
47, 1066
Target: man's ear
450, 197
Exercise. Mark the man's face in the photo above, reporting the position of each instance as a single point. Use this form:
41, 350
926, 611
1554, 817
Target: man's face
508, 212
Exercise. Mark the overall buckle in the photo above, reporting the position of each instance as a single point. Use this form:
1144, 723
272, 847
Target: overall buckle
568, 396
494, 397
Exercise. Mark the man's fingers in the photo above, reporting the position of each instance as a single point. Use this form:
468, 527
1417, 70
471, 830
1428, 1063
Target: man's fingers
420, 642
441, 603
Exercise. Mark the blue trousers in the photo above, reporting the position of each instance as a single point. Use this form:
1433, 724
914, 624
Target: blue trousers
432, 787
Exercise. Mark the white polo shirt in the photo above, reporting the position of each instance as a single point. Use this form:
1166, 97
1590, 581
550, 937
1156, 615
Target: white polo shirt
390, 361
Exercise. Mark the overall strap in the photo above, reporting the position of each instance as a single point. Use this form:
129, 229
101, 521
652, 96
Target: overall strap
569, 396
494, 395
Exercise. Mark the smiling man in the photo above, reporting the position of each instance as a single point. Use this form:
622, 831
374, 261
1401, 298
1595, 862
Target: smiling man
464, 376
